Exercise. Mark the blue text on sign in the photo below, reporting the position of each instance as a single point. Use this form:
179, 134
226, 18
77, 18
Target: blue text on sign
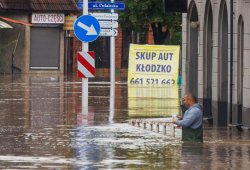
103, 5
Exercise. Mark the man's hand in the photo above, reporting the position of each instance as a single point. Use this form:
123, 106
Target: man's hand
174, 119
179, 117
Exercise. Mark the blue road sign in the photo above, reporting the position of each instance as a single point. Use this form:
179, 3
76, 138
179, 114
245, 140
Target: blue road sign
87, 28
103, 5
80, 5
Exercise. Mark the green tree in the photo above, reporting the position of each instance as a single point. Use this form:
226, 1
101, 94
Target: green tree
140, 15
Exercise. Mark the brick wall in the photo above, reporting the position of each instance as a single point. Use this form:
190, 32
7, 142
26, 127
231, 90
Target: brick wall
118, 49
77, 46
150, 39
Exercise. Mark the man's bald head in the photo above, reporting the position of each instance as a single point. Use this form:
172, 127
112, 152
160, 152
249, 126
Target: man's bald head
190, 99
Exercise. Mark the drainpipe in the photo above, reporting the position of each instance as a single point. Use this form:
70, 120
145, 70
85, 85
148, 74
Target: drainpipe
231, 62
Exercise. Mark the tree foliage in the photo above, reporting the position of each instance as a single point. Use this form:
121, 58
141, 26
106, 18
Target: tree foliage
139, 15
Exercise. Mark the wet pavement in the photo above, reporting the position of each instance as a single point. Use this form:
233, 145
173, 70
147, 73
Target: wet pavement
42, 127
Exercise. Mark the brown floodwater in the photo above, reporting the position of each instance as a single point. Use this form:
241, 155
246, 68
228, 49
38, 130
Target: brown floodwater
42, 126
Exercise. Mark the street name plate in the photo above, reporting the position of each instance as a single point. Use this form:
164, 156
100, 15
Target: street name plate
108, 32
108, 24
105, 16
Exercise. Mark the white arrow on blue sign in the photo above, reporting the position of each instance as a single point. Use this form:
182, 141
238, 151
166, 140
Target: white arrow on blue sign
87, 28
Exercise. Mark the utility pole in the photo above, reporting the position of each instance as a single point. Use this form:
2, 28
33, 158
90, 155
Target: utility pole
112, 75
231, 61
85, 48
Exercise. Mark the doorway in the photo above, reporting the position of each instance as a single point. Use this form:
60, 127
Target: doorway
222, 117
193, 35
207, 61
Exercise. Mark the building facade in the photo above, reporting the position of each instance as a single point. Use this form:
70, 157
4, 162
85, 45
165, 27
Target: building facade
36, 43
215, 70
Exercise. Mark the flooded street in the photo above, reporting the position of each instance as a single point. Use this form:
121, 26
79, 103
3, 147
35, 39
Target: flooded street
42, 127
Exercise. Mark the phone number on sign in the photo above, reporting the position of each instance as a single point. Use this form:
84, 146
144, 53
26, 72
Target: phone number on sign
152, 81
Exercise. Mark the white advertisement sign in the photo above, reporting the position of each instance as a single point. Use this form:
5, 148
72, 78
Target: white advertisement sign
42, 18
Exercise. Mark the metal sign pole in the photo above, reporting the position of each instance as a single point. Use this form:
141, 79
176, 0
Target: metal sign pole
85, 47
112, 56
112, 75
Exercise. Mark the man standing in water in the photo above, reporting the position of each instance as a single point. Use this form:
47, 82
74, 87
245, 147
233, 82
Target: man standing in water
192, 120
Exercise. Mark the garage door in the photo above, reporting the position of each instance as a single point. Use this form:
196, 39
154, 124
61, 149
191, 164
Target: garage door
45, 48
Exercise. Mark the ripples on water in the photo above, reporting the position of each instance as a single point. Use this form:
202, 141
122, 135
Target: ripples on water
42, 127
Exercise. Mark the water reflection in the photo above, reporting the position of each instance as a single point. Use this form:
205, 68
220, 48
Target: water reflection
155, 101
46, 105
42, 127
121, 146
112, 102
214, 156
